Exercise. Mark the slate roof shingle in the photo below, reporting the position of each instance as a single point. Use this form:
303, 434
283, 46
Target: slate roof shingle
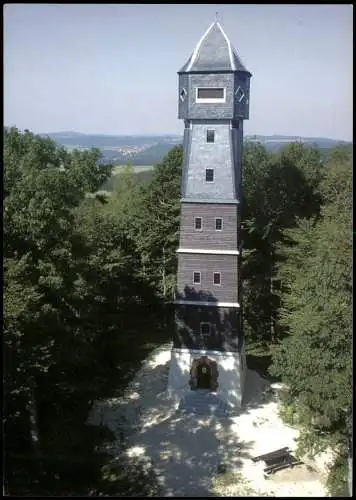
214, 53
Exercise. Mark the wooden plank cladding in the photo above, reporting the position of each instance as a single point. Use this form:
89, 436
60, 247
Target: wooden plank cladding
224, 331
207, 265
209, 237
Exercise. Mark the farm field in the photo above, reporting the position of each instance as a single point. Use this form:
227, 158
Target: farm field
142, 174
136, 168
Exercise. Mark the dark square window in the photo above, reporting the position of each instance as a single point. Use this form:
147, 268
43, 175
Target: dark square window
198, 223
210, 136
205, 329
236, 124
209, 175
218, 224
217, 279
196, 277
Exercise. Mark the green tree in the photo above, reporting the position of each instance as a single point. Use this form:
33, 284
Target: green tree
314, 360
43, 183
276, 192
71, 297
124, 197
155, 223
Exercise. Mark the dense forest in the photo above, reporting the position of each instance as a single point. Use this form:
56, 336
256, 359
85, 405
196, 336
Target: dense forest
87, 285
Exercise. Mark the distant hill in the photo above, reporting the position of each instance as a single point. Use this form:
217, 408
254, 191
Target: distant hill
276, 142
150, 149
101, 141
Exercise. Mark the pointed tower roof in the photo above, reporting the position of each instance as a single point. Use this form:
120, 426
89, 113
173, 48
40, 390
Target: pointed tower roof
212, 53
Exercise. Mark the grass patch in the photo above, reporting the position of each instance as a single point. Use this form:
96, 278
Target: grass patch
136, 168
289, 413
337, 482
142, 175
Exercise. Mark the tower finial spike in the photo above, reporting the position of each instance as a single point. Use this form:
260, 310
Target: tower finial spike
216, 17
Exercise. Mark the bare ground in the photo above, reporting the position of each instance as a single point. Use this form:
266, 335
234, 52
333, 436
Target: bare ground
185, 451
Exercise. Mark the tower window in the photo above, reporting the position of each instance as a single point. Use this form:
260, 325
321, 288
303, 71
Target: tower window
198, 223
217, 278
210, 136
205, 329
183, 94
240, 94
196, 278
218, 224
210, 95
209, 175
236, 124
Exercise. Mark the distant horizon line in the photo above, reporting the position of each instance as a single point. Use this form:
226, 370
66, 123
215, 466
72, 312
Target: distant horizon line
181, 135
167, 134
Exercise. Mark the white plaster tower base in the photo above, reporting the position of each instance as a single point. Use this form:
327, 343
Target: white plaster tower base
231, 374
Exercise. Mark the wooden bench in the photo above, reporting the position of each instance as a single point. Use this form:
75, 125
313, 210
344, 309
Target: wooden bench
273, 454
277, 460
271, 469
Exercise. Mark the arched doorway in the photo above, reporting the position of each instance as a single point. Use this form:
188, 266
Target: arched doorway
204, 374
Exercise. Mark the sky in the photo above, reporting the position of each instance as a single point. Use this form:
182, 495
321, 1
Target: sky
112, 69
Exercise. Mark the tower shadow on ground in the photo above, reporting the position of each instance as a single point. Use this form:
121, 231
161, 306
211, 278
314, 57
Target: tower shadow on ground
185, 450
